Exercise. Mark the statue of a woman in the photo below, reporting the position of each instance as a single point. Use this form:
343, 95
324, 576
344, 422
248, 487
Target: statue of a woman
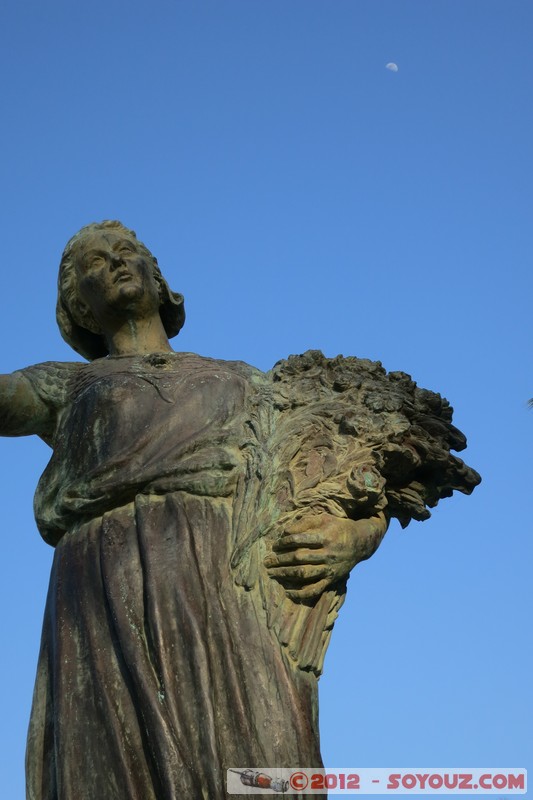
205, 517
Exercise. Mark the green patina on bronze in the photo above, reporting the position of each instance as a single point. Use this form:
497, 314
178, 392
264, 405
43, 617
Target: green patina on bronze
205, 518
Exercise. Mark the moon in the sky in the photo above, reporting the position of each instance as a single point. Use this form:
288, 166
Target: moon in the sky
392, 66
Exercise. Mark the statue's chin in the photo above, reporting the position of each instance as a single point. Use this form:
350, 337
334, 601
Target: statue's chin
130, 289
131, 296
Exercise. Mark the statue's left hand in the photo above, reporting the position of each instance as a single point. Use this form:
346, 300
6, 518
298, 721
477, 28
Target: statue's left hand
317, 551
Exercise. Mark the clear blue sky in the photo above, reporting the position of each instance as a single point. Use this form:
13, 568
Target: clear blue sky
303, 196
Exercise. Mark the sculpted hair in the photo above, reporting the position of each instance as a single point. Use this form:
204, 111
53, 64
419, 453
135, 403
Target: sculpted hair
76, 323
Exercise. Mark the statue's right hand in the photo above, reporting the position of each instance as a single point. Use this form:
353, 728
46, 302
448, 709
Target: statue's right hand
317, 551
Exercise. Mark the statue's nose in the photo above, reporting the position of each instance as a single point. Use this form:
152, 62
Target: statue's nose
116, 260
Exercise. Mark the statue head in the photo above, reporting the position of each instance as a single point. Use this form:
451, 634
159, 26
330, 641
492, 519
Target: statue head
76, 322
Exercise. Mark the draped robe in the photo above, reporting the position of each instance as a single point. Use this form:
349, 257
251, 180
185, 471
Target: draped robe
168, 654
157, 671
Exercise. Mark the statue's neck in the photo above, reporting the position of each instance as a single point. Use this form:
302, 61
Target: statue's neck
138, 337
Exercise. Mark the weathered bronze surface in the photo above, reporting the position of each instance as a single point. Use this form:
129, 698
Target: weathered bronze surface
205, 518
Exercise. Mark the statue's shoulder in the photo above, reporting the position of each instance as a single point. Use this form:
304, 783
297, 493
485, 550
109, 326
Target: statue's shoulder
52, 381
241, 369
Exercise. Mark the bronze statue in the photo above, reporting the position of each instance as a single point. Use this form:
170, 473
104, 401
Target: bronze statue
205, 518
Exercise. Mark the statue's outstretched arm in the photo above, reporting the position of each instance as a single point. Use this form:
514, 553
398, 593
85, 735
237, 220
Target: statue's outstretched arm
22, 411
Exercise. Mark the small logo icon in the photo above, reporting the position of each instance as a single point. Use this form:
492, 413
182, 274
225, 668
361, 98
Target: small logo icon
260, 780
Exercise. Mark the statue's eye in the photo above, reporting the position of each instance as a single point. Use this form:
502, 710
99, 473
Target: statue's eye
94, 261
126, 250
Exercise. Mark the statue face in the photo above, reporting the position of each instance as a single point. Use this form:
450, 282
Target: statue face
115, 279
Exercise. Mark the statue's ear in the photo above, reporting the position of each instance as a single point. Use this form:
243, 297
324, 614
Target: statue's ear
85, 340
86, 318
